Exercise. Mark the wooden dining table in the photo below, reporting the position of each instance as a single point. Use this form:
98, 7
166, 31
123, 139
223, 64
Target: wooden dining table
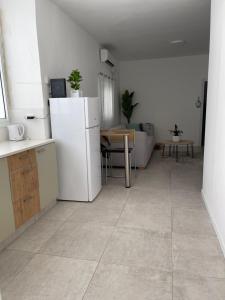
123, 134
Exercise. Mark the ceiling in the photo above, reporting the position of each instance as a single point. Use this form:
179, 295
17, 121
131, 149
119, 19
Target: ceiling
143, 29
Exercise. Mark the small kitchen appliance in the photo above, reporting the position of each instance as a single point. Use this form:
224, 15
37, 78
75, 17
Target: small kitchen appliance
16, 132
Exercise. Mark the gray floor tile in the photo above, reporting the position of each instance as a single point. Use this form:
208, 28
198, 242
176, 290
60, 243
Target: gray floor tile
129, 283
96, 215
140, 248
61, 211
202, 245
147, 216
194, 288
81, 242
34, 237
51, 278
194, 264
160, 198
146, 182
192, 221
11, 263
187, 199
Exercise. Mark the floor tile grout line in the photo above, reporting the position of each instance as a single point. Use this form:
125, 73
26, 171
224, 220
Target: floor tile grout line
172, 279
103, 252
34, 254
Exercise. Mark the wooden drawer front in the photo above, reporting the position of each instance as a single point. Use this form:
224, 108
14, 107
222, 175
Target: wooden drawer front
24, 186
21, 160
30, 205
18, 213
23, 183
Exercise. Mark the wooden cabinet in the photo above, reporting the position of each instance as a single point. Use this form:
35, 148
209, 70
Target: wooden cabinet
7, 224
47, 174
28, 183
23, 175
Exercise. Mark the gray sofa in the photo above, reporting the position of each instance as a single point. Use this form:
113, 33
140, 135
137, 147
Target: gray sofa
144, 145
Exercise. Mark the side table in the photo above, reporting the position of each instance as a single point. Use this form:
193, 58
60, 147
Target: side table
175, 145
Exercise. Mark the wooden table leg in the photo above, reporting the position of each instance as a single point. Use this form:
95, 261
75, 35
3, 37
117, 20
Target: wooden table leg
126, 159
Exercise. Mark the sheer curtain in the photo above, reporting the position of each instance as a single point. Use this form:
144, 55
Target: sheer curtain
106, 94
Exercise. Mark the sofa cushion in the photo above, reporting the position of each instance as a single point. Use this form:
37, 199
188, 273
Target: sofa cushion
135, 126
148, 128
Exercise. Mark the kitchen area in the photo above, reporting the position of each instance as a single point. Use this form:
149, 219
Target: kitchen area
68, 167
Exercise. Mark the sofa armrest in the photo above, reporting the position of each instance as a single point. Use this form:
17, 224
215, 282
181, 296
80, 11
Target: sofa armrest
141, 137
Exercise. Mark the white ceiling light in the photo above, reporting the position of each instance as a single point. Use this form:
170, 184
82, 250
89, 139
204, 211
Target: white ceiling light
177, 42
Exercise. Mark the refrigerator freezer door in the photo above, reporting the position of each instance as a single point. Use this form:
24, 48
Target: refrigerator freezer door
94, 161
68, 129
92, 112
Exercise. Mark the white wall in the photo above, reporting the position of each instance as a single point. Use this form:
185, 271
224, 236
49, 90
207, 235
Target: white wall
41, 41
214, 159
63, 46
22, 63
167, 90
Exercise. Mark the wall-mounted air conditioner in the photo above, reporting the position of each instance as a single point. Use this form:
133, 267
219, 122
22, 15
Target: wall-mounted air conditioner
106, 57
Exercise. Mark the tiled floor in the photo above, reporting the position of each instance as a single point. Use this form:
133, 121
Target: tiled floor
151, 242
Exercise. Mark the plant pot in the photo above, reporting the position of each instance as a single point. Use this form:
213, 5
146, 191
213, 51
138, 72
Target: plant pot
75, 93
176, 138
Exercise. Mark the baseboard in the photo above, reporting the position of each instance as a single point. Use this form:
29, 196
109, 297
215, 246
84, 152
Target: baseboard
219, 236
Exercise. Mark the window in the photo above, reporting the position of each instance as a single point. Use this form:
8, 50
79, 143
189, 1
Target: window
2, 99
3, 110
106, 94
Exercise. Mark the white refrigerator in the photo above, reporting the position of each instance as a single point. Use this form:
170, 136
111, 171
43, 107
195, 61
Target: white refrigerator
75, 124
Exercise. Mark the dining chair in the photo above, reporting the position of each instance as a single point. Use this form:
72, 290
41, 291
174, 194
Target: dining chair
111, 148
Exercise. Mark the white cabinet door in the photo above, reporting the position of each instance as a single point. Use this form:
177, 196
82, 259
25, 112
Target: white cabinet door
7, 224
47, 174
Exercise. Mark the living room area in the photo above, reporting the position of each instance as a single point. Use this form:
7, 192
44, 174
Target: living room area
161, 81
164, 93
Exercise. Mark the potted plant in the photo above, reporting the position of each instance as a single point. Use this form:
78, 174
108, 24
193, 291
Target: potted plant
176, 133
75, 79
127, 104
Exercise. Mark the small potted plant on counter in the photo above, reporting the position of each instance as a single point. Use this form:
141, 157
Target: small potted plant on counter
75, 79
176, 133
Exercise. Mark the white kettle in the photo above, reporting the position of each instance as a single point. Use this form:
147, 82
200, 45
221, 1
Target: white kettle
16, 132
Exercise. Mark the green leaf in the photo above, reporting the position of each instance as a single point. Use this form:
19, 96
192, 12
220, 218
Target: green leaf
127, 106
74, 79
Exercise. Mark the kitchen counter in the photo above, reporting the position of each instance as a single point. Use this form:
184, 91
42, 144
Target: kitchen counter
8, 148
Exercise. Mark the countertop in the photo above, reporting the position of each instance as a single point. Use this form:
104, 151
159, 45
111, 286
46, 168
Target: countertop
8, 148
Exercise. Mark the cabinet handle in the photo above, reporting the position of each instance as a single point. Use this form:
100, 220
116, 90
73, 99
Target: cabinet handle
41, 150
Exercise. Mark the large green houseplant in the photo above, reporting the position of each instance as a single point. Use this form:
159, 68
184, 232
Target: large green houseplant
127, 104
75, 79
